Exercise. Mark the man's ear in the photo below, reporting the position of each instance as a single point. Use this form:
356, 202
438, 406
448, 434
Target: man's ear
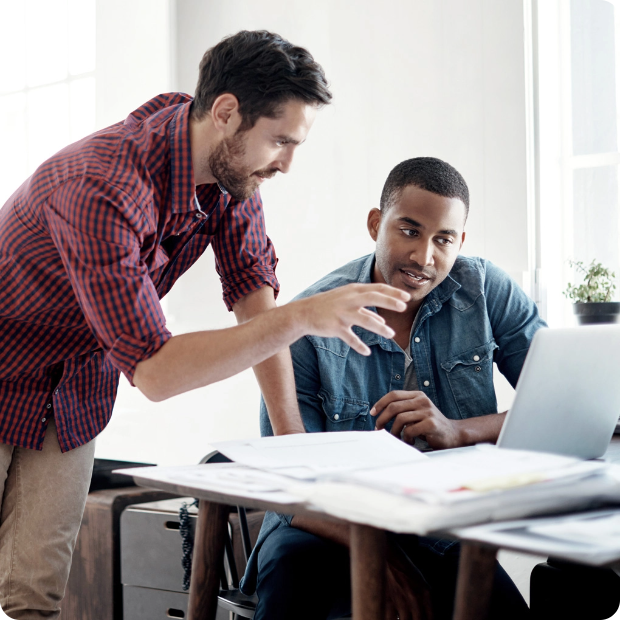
373, 223
462, 241
225, 113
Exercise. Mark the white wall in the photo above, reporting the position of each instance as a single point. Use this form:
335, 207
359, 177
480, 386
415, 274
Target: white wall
135, 55
410, 78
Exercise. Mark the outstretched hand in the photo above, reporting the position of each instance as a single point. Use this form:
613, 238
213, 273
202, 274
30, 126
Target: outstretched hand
335, 312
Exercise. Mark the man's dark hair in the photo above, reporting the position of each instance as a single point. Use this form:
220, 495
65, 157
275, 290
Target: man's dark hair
429, 173
261, 69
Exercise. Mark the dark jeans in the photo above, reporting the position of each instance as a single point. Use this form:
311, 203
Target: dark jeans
304, 577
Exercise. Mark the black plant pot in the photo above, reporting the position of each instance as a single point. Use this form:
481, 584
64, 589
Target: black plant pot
597, 312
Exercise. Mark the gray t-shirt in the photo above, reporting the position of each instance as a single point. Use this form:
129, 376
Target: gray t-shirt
411, 381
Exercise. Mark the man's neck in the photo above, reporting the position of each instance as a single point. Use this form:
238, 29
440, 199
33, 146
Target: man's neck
401, 322
202, 137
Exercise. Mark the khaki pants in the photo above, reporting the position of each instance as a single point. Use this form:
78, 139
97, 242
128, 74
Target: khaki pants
43, 498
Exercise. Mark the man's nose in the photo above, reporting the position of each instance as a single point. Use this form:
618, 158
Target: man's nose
423, 253
285, 160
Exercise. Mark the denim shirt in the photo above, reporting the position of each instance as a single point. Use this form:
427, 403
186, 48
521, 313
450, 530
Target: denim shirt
478, 315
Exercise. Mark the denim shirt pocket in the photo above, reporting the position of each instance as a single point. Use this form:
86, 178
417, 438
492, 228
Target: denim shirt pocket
470, 375
344, 414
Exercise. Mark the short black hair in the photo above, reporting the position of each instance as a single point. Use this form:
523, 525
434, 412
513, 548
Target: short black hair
264, 71
428, 173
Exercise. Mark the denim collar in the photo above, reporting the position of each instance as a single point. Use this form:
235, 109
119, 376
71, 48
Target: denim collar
432, 304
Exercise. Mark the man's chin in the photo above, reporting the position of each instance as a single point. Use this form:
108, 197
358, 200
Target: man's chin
241, 193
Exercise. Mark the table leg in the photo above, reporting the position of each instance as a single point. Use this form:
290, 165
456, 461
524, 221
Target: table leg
209, 540
368, 553
475, 582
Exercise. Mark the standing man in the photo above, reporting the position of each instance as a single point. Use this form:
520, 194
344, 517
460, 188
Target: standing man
93, 240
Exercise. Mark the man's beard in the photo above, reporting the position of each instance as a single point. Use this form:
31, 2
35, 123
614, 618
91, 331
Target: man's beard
226, 165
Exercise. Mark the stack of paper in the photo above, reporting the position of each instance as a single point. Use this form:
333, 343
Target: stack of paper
373, 478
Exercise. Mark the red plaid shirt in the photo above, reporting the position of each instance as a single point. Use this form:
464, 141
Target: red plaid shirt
89, 244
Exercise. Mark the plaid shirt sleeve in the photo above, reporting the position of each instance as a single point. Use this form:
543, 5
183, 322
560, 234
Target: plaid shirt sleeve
245, 258
98, 231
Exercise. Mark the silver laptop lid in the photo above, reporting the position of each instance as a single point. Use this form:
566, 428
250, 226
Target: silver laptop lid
567, 398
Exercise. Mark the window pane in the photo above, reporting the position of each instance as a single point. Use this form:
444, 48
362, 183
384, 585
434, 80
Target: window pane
82, 108
593, 74
13, 154
12, 46
595, 215
81, 14
46, 55
48, 122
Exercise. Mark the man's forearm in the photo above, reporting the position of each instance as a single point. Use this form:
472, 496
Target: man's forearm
275, 375
197, 359
193, 360
483, 429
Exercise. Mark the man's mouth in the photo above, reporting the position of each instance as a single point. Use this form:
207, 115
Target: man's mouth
414, 278
262, 176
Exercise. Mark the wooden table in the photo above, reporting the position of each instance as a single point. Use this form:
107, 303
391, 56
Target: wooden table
368, 553
368, 556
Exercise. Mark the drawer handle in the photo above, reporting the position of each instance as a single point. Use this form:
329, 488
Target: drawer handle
176, 613
173, 525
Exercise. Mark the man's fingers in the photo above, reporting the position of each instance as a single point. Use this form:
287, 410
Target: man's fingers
372, 314
391, 410
396, 302
348, 337
408, 419
368, 320
390, 397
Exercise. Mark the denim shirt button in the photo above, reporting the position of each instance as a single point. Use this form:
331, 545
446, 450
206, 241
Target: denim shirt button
476, 358
336, 417
427, 383
416, 339
396, 377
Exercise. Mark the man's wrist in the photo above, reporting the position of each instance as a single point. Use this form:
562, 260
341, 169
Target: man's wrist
288, 429
291, 321
463, 434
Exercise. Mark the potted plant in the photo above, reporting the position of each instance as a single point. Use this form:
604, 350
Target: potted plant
593, 297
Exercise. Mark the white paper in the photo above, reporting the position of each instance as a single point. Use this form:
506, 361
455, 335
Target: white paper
426, 512
310, 455
228, 478
485, 469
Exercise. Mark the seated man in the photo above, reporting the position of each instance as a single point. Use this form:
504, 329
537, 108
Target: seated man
432, 385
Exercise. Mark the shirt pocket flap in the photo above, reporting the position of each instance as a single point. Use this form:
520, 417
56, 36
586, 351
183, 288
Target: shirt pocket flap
473, 356
342, 409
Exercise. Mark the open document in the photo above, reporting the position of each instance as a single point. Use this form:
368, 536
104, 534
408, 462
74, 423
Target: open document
309, 455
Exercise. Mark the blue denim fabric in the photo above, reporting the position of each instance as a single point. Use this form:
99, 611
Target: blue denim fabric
478, 315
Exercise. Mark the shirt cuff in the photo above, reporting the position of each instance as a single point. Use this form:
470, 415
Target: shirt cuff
129, 351
285, 519
238, 285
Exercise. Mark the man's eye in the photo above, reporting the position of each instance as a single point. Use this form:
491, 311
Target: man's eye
279, 143
443, 241
410, 232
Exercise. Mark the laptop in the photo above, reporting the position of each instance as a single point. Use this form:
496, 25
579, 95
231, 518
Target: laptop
567, 399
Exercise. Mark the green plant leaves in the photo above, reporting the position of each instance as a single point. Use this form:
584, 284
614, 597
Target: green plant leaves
598, 285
